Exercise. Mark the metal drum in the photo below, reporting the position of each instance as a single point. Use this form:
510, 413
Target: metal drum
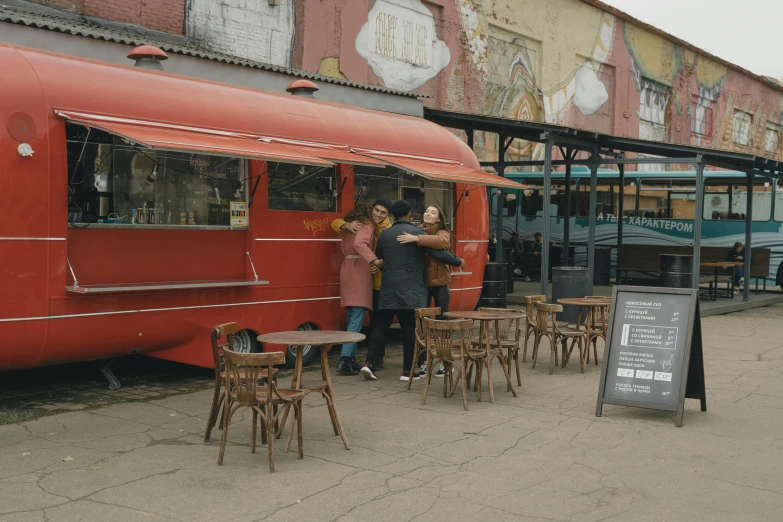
569, 281
676, 271
493, 290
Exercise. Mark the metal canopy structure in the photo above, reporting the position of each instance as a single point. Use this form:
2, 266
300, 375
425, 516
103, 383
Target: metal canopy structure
603, 149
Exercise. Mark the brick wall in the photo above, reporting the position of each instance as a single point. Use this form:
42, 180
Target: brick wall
250, 29
160, 15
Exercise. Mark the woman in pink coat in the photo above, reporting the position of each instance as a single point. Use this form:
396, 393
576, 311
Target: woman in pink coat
356, 280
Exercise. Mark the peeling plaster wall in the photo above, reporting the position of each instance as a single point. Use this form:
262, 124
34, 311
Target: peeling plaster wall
250, 29
560, 61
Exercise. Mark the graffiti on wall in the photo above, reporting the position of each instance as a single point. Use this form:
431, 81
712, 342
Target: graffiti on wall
400, 44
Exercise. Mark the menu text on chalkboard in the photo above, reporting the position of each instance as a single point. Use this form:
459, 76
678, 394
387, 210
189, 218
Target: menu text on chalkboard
653, 354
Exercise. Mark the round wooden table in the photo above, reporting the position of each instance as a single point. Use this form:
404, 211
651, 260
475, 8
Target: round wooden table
323, 339
485, 319
590, 304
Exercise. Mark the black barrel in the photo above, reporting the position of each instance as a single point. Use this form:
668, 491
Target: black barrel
569, 281
676, 271
601, 264
493, 291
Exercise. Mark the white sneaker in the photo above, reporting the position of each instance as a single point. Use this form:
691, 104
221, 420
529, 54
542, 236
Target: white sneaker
405, 377
527, 279
517, 271
368, 374
439, 372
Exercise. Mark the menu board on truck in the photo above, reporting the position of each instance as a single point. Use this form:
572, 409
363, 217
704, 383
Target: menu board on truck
653, 355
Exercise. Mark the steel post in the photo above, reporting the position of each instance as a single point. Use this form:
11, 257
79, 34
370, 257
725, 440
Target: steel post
748, 230
697, 219
547, 218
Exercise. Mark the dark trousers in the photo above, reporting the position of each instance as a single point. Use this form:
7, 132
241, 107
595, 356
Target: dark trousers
442, 296
376, 294
384, 320
531, 264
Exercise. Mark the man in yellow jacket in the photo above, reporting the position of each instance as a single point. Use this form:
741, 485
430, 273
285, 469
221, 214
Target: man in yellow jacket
380, 215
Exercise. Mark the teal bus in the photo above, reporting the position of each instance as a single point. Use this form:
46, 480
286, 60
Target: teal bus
658, 209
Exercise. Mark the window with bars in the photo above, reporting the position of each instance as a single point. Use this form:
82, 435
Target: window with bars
701, 115
771, 138
743, 121
653, 97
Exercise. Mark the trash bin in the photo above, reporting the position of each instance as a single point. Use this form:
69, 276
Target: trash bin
569, 281
676, 271
493, 290
601, 266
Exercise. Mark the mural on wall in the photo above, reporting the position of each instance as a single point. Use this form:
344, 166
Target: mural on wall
400, 43
512, 91
517, 93
582, 85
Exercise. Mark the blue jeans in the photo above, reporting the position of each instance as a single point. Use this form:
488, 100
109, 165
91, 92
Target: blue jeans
739, 273
355, 317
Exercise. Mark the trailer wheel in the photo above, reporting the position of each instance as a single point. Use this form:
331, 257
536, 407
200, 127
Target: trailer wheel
245, 341
309, 353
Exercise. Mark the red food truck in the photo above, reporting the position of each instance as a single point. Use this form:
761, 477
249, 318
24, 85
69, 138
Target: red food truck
141, 208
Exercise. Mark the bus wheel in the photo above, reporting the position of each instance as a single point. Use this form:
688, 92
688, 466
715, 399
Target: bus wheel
309, 353
245, 341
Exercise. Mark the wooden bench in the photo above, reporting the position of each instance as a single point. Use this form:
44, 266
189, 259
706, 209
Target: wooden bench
645, 259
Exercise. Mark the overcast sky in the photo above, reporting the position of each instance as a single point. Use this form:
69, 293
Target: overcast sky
748, 33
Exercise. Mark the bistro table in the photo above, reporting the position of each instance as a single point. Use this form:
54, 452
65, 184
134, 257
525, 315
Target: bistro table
324, 339
713, 292
485, 319
590, 304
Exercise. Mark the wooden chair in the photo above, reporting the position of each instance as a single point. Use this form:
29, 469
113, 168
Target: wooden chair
243, 371
224, 330
420, 345
443, 345
530, 319
508, 328
557, 333
600, 324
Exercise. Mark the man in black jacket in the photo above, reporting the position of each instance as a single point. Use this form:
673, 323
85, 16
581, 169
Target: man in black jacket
403, 287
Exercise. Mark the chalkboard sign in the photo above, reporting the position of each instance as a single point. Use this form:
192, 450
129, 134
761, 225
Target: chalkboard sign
653, 355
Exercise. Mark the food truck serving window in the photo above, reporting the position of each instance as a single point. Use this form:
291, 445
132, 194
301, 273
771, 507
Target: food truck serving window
301, 187
371, 183
112, 182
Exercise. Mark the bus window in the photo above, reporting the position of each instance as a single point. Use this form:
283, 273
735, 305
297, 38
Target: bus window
113, 182
726, 199
608, 198
301, 187
778, 202
509, 204
533, 196
667, 199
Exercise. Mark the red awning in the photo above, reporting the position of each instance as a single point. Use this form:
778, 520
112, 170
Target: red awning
189, 139
444, 170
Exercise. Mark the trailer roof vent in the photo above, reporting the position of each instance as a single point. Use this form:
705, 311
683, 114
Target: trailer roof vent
304, 88
148, 57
